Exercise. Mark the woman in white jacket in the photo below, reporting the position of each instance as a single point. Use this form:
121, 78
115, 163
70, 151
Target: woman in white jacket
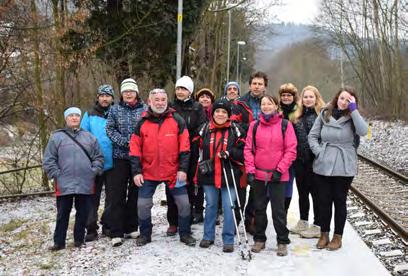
333, 139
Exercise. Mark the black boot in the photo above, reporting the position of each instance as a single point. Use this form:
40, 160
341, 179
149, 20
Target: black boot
188, 240
143, 240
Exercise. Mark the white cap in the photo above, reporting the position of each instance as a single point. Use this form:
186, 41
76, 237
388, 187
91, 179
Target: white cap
186, 82
129, 84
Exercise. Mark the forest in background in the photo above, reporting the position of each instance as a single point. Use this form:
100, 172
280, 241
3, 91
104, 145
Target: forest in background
56, 53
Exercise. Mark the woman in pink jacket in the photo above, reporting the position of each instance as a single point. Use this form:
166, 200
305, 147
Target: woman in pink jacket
269, 151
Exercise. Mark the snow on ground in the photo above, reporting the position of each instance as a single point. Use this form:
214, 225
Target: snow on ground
23, 250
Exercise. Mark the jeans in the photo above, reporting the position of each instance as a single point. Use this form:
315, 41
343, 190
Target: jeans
275, 194
332, 190
64, 206
145, 204
211, 196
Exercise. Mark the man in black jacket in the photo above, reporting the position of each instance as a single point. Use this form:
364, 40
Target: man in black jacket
194, 116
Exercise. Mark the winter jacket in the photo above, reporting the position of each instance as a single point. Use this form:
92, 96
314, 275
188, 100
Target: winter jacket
271, 152
194, 116
288, 111
253, 103
66, 163
160, 147
121, 123
94, 121
240, 113
213, 140
302, 129
333, 144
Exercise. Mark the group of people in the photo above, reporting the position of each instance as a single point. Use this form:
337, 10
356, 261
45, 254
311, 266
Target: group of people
206, 148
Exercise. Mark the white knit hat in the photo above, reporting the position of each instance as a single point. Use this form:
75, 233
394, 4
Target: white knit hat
72, 110
129, 84
186, 82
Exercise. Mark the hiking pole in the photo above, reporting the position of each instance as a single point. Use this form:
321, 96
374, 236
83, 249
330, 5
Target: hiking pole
240, 210
243, 256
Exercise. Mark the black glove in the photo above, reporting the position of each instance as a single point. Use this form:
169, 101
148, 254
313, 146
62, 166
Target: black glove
250, 178
224, 154
276, 176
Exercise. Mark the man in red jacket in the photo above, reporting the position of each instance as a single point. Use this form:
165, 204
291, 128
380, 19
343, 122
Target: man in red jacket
160, 152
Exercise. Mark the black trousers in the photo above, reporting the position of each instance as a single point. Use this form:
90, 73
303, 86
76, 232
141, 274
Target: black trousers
92, 223
196, 203
64, 206
242, 200
122, 196
306, 185
332, 190
275, 194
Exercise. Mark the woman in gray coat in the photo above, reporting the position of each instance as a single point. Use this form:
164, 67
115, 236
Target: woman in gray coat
333, 140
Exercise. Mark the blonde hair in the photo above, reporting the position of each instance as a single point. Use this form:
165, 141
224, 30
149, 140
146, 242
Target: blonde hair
318, 105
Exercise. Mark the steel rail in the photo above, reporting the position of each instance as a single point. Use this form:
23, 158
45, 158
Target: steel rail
400, 230
19, 196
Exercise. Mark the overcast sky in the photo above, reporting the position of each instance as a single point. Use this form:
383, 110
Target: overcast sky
296, 11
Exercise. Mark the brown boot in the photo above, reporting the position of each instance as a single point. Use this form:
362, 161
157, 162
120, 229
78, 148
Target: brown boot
323, 240
258, 246
335, 243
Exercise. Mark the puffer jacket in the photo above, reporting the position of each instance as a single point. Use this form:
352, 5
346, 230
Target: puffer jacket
272, 152
94, 121
302, 129
160, 147
66, 163
332, 143
121, 123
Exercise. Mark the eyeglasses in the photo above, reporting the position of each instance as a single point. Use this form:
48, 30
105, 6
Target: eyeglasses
286, 95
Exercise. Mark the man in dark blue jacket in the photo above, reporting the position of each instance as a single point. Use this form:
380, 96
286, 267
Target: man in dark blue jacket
94, 121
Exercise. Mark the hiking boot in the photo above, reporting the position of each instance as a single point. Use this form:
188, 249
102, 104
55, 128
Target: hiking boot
106, 231
206, 243
116, 242
228, 248
335, 243
282, 250
172, 230
56, 247
258, 246
198, 218
79, 244
91, 236
323, 240
188, 240
313, 231
143, 240
301, 225
131, 235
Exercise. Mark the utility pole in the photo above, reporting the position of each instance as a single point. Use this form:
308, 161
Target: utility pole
239, 43
229, 45
179, 37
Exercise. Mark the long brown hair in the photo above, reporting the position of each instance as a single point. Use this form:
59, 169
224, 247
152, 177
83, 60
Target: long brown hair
333, 103
318, 105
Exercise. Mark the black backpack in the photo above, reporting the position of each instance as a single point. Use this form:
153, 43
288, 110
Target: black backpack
284, 127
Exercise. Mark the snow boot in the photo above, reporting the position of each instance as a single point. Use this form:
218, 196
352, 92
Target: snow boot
171, 231
335, 243
188, 240
282, 250
258, 246
323, 240
143, 240
228, 248
206, 243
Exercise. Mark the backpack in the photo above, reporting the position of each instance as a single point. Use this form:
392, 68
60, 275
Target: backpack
284, 125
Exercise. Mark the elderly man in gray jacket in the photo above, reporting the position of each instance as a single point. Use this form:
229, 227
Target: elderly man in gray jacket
72, 159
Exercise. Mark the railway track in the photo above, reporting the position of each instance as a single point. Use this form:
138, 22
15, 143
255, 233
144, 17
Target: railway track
378, 210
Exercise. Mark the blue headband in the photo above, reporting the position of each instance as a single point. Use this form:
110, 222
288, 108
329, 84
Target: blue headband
72, 110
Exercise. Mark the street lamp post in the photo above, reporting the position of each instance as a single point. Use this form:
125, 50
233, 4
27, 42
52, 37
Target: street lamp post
239, 43
229, 44
179, 37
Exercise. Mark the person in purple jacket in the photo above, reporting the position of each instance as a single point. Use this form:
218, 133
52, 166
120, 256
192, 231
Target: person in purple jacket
269, 152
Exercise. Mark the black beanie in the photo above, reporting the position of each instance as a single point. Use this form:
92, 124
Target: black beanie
221, 104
